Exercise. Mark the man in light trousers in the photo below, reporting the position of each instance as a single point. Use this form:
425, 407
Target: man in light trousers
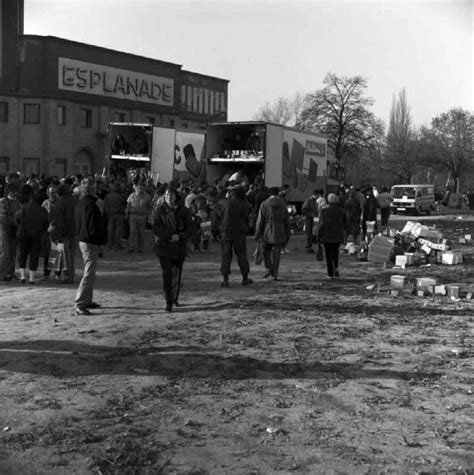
91, 235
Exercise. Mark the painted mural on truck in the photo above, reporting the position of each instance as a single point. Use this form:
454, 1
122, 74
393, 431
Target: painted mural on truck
189, 160
304, 163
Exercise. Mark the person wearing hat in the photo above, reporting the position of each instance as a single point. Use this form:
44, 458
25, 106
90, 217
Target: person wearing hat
332, 227
234, 215
273, 228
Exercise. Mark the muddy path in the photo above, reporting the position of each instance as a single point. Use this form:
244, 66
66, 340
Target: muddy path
300, 376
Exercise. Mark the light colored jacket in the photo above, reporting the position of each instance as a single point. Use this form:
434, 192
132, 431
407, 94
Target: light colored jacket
138, 205
273, 222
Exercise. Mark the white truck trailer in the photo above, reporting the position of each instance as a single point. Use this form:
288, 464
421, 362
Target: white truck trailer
280, 155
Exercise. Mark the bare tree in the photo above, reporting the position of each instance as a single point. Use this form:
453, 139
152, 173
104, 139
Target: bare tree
404, 144
284, 111
341, 111
449, 143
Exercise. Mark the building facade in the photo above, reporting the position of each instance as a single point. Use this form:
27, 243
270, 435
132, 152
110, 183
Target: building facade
57, 96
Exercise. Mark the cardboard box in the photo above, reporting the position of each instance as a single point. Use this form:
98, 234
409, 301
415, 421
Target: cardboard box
423, 282
440, 290
398, 281
452, 290
401, 261
380, 249
451, 258
410, 257
432, 245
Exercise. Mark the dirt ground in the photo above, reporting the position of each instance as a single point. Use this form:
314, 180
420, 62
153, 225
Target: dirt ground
306, 375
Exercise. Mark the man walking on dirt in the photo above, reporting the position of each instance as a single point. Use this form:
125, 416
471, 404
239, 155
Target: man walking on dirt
273, 228
234, 219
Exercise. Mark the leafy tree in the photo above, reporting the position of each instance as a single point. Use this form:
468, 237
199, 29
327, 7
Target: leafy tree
449, 143
284, 111
341, 111
404, 144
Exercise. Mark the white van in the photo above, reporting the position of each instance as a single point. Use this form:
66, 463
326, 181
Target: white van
414, 199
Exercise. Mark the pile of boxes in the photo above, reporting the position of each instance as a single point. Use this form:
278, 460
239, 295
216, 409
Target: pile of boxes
425, 286
416, 244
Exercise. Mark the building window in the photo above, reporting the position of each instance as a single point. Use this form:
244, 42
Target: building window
60, 167
183, 97
223, 108
189, 99
31, 166
3, 111
150, 120
119, 117
211, 103
201, 101
217, 103
171, 122
195, 99
86, 118
4, 164
31, 113
61, 115
206, 101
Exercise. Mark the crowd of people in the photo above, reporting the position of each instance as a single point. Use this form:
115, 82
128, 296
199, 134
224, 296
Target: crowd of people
47, 219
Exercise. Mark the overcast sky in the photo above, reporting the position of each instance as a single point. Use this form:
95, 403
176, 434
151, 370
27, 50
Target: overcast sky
276, 48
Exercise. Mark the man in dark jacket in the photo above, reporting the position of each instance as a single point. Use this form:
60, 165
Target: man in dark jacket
332, 226
64, 233
234, 219
369, 212
310, 211
91, 234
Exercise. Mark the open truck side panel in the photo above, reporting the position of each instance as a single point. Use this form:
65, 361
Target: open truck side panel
304, 163
189, 161
167, 153
162, 156
273, 151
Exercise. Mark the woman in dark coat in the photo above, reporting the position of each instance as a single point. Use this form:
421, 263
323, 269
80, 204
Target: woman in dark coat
32, 224
332, 226
172, 226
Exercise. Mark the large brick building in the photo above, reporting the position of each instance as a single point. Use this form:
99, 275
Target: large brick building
57, 96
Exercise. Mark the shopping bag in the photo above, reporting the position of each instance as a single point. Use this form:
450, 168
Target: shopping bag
55, 254
258, 254
206, 229
319, 252
315, 230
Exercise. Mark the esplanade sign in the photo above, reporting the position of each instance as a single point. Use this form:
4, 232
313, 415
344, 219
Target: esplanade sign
90, 78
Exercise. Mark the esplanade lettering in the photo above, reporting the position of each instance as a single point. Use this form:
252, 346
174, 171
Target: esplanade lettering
90, 78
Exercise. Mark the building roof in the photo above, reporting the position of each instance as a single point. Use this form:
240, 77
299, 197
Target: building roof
99, 48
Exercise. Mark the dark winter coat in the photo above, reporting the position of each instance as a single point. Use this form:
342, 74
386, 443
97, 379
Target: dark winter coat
65, 218
370, 208
332, 224
163, 232
89, 224
235, 216
32, 220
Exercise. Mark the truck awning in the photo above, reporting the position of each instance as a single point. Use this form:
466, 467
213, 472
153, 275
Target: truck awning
236, 160
130, 157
